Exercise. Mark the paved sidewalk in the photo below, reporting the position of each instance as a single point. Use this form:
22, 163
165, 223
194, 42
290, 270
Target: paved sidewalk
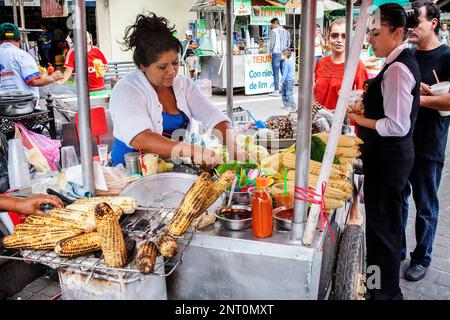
436, 284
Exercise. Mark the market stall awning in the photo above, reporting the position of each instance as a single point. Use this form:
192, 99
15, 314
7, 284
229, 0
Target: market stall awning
219, 5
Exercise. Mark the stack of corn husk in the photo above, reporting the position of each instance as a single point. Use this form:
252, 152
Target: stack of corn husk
338, 188
347, 150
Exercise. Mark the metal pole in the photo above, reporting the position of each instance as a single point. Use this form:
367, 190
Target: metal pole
16, 21
341, 106
84, 114
22, 25
305, 88
295, 36
230, 5
348, 28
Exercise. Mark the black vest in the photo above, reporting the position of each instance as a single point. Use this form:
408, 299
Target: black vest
389, 148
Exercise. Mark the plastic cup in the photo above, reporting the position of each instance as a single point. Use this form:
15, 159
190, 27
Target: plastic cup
68, 157
282, 199
440, 89
151, 164
103, 154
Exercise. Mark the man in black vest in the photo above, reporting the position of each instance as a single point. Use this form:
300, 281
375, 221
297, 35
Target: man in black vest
430, 138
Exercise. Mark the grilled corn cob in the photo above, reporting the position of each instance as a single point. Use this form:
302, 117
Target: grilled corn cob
289, 160
25, 228
61, 223
73, 215
331, 204
128, 204
191, 205
344, 141
345, 160
217, 188
111, 237
38, 241
166, 245
78, 245
146, 257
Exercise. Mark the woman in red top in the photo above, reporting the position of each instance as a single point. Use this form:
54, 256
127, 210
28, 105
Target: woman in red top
329, 70
96, 83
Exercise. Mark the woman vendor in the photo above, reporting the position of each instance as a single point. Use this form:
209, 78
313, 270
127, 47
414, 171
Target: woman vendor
153, 104
329, 71
391, 102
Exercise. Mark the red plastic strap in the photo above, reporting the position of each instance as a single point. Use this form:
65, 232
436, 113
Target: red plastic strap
309, 195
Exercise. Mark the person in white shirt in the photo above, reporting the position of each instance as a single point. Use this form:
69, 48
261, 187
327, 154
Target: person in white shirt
279, 39
319, 44
391, 102
18, 69
152, 107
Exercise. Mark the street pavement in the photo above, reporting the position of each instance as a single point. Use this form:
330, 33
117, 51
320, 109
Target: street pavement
436, 284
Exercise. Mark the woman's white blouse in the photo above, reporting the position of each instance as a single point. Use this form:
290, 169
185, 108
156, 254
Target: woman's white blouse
135, 107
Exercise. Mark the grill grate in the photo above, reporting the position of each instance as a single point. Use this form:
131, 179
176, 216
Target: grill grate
140, 226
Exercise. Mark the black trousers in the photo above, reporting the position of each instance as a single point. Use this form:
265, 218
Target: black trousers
384, 183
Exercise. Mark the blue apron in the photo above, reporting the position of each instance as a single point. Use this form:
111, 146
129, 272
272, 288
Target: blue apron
171, 122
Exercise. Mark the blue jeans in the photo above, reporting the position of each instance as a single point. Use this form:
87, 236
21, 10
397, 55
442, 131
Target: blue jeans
287, 94
424, 180
276, 67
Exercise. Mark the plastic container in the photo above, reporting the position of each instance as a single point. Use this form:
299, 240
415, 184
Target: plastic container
18, 170
439, 89
282, 199
262, 221
205, 86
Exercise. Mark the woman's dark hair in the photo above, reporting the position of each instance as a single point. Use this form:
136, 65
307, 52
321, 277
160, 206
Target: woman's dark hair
394, 16
150, 36
432, 11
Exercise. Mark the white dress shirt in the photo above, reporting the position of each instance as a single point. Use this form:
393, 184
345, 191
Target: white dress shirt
279, 39
396, 86
135, 107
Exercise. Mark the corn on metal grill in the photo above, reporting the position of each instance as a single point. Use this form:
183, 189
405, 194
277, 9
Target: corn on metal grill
142, 225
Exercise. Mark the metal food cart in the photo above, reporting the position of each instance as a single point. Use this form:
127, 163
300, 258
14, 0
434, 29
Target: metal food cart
220, 264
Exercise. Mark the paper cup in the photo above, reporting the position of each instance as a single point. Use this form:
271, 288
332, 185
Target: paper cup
439, 89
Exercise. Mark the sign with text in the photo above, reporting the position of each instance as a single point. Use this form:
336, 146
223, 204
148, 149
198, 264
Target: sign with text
26, 3
258, 74
242, 7
263, 15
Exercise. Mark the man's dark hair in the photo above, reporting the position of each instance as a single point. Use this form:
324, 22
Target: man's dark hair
275, 20
432, 10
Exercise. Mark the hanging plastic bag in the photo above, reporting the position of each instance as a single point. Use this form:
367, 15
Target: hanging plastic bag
43, 152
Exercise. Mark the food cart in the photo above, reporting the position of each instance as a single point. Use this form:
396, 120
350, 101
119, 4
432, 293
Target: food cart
220, 264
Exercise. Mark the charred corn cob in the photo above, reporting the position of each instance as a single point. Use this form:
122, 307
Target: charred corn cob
38, 241
166, 245
73, 215
78, 245
217, 188
348, 152
25, 228
61, 223
111, 237
127, 204
190, 206
146, 257
344, 141
117, 211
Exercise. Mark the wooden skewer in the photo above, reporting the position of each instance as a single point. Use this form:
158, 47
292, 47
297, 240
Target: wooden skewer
435, 76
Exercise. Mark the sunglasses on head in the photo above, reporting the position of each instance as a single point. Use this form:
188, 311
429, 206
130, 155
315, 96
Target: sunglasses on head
335, 35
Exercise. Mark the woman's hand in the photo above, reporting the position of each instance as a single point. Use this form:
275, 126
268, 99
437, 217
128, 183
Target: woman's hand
33, 204
358, 118
206, 157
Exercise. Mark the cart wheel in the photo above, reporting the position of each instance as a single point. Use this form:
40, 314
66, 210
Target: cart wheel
349, 278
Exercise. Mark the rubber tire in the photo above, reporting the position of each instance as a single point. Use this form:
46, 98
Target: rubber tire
349, 261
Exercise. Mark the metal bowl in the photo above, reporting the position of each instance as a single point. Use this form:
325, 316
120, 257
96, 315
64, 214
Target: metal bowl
232, 224
13, 109
242, 198
282, 223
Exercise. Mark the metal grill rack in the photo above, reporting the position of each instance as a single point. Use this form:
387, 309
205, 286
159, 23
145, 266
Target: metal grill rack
140, 226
